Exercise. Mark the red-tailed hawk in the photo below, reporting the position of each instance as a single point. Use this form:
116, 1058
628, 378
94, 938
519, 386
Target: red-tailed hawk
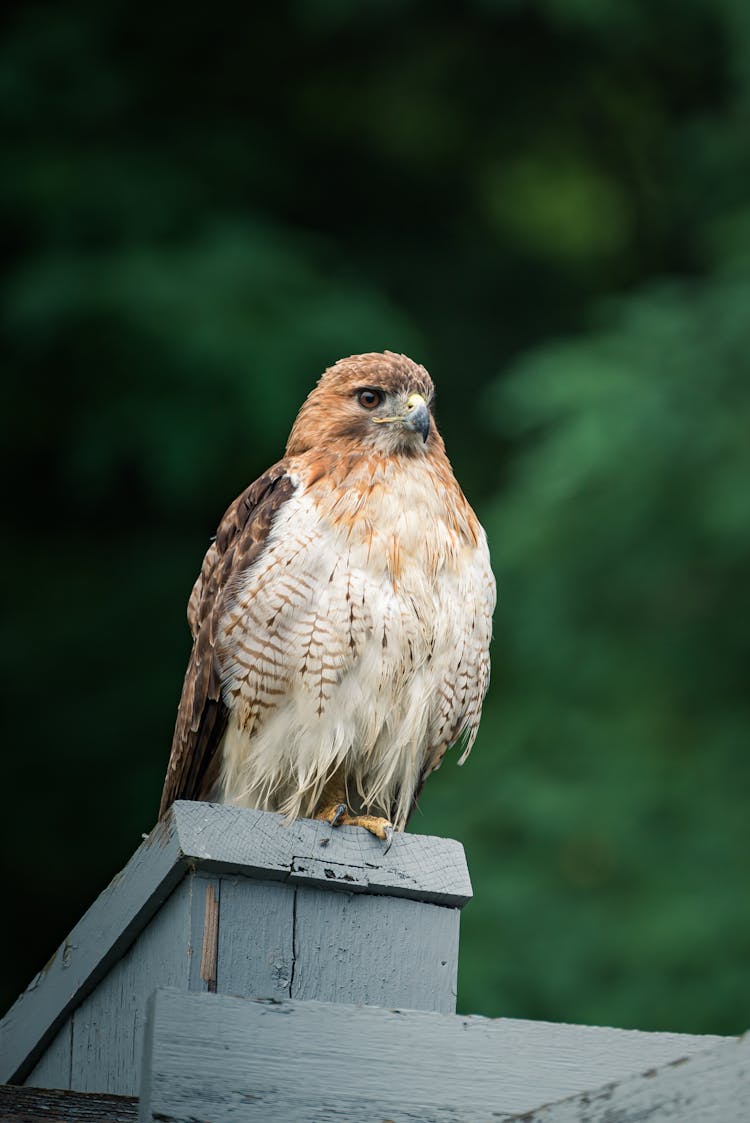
341, 620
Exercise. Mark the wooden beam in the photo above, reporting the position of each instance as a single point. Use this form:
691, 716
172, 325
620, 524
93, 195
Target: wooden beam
714, 1085
221, 1058
305, 852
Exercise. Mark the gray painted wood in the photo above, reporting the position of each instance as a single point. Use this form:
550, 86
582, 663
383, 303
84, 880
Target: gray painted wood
259, 844
242, 936
710, 1087
107, 1028
100, 1046
234, 933
256, 937
217, 841
219, 1058
53, 1068
350, 948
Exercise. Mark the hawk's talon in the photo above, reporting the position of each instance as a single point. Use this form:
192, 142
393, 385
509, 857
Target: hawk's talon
339, 813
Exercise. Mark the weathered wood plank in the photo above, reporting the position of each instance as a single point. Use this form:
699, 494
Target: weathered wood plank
218, 1058
221, 841
256, 937
108, 1026
710, 1087
259, 844
357, 948
204, 932
43, 1105
52, 1070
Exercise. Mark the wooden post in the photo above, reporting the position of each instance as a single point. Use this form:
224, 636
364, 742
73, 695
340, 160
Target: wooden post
237, 902
241, 968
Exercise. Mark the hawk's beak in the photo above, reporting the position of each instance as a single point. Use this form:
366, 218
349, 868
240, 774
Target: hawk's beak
417, 416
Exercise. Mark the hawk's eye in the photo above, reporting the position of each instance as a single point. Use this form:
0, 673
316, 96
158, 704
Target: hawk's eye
369, 398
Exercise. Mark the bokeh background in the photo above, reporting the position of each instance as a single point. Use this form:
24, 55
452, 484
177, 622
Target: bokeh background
548, 204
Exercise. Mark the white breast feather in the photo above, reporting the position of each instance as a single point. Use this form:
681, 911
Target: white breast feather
329, 659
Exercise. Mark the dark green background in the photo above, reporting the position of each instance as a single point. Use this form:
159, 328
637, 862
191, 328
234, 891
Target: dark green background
546, 203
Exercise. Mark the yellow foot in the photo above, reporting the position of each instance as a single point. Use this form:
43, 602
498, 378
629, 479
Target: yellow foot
338, 814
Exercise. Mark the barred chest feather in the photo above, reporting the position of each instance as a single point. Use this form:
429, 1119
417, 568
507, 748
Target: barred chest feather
357, 640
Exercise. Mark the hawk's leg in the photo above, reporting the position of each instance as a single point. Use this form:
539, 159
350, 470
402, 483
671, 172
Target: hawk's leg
334, 809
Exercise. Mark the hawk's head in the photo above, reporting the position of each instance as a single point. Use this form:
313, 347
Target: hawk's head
379, 402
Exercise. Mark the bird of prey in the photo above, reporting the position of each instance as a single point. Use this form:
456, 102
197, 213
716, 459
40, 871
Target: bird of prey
341, 620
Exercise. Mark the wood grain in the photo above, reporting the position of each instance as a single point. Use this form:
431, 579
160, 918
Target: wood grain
210, 938
52, 1070
108, 1026
259, 843
256, 938
219, 1058
35, 1105
358, 948
710, 1087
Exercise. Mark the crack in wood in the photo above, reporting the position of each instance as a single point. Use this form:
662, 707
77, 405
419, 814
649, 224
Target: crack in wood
294, 944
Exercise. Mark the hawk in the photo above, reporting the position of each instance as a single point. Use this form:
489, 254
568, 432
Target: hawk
341, 620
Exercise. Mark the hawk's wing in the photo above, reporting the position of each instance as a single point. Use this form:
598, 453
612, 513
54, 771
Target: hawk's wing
202, 715
466, 676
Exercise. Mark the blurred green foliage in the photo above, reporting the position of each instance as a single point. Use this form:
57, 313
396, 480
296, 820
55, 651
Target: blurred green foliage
548, 205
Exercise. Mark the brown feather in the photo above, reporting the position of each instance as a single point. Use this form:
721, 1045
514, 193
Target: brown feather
202, 715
